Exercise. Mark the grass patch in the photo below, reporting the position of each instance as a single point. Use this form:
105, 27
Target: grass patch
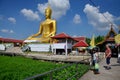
18, 68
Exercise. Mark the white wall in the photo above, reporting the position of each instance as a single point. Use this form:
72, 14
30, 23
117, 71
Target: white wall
2, 47
61, 46
8, 45
46, 47
39, 47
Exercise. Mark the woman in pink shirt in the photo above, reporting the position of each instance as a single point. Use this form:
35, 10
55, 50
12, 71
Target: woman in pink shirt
108, 56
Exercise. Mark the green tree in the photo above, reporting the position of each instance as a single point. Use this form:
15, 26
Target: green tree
88, 41
99, 39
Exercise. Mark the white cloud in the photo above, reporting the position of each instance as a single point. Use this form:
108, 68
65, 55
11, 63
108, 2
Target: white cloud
97, 19
4, 30
77, 19
59, 7
7, 31
118, 18
12, 20
30, 15
74, 36
41, 7
11, 31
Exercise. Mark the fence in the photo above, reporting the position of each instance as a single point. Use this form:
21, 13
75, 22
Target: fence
50, 75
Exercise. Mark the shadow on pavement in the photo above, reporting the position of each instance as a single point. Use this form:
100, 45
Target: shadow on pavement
115, 65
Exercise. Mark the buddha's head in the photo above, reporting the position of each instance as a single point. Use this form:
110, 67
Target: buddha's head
48, 12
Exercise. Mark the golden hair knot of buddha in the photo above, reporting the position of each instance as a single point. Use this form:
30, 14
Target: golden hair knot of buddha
49, 9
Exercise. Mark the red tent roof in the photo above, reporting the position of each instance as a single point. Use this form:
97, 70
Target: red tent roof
61, 35
79, 38
80, 44
10, 40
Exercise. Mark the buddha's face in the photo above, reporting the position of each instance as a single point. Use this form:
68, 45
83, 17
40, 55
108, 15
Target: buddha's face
47, 13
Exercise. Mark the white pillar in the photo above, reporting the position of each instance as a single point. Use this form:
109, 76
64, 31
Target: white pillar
66, 51
55, 51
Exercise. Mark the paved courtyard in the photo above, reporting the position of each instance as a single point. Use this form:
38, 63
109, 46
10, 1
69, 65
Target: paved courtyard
112, 74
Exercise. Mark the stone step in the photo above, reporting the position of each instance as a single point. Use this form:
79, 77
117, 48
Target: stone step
14, 50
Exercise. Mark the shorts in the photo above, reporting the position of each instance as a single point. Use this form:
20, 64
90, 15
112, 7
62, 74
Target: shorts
93, 62
108, 60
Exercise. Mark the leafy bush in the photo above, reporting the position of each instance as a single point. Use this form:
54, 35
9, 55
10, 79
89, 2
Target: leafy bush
71, 71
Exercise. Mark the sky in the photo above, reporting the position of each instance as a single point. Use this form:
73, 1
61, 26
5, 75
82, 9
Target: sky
21, 18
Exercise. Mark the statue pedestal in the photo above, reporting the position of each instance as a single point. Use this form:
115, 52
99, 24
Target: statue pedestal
28, 41
39, 47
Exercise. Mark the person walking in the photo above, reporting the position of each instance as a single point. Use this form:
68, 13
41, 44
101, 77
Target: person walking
91, 62
108, 56
95, 60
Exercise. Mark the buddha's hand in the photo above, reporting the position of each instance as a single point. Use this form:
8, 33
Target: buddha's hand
30, 37
50, 35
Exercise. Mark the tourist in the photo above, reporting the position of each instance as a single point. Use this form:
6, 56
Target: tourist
91, 62
118, 60
108, 56
97, 55
95, 60
94, 57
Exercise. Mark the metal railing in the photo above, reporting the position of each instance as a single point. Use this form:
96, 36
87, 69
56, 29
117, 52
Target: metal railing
51, 73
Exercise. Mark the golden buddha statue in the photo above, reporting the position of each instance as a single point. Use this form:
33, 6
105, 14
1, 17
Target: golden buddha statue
47, 28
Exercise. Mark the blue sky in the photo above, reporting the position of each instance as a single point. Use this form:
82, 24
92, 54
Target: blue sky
21, 18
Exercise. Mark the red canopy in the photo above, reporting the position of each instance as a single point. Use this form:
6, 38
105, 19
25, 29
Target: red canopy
10, 40
79, 38
61, 35
80, 44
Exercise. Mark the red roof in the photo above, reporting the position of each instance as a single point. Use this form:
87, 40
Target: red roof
10, 40
79, 38
61, 35
80, 44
